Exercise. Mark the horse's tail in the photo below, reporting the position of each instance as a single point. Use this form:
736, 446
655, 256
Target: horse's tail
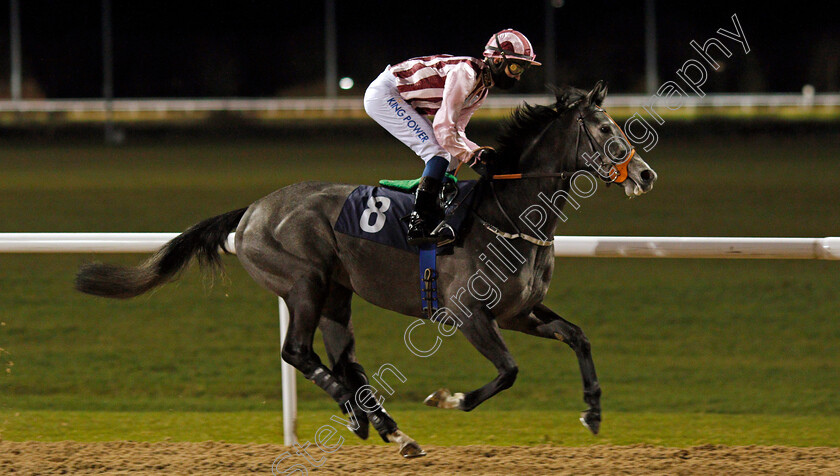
202, 241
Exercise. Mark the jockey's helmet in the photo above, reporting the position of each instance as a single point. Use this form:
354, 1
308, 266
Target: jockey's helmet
508, 54
510, 45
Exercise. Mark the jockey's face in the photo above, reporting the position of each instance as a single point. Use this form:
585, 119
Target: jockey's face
502, 76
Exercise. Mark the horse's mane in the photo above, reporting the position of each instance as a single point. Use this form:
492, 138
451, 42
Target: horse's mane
526, 121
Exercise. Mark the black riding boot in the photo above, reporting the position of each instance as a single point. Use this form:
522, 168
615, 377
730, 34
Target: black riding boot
426, 215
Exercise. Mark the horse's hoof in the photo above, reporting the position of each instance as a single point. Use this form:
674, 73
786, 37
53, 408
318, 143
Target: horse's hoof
443, 398
591, 420
408, 447
412, 450
436, 398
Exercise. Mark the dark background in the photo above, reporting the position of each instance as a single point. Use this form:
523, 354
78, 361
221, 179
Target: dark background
276, 48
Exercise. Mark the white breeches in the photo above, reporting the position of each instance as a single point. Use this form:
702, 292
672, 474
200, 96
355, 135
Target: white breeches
385, 105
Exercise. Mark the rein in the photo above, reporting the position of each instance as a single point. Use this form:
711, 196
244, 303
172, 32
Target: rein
562, 175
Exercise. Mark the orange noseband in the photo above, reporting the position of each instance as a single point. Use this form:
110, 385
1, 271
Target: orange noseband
618, 172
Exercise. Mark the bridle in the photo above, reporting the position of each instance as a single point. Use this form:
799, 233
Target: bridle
618, 170
617, 173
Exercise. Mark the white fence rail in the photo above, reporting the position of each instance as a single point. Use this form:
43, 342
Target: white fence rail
355, 103
696, 247
564, 246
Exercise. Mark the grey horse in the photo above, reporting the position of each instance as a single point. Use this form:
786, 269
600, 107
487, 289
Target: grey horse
495, 278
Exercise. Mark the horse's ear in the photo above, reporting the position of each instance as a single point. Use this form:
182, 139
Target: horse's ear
598, 93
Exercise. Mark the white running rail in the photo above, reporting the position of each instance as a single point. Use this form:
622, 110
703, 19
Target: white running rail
564, 246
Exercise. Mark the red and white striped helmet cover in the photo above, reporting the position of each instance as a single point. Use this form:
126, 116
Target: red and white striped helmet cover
514, 44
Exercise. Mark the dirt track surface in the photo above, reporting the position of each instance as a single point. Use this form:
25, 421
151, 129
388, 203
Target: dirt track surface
120, 457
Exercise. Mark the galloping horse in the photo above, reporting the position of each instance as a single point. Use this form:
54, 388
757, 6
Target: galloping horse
287, 243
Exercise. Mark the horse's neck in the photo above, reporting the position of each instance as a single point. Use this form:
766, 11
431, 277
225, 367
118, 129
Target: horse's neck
532, 204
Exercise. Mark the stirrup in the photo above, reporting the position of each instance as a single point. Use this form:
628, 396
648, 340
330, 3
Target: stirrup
443, 233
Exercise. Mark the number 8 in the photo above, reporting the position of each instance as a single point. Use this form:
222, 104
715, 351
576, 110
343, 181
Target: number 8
377, 206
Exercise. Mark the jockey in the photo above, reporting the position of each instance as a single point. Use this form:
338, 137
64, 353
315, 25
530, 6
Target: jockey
450, 88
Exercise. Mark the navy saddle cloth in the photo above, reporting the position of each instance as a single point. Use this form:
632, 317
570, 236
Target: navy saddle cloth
373, 213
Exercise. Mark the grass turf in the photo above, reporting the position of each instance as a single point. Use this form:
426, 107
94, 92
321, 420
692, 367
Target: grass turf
688, 351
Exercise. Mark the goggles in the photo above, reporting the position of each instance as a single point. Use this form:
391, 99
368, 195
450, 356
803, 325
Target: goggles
515, 68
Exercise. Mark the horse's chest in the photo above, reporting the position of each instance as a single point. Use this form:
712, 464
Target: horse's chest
538, 286
528, 288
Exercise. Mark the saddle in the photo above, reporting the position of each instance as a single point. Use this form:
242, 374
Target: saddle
374, 213
410, 186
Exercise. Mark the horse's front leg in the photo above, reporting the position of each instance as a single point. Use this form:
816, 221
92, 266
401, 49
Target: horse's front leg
483, 333
544, 322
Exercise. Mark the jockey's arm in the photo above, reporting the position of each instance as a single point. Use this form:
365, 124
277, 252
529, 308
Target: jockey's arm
466, 115
452, 118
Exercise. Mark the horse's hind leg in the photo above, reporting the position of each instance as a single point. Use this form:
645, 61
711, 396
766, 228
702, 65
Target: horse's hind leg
340, 345
306, 301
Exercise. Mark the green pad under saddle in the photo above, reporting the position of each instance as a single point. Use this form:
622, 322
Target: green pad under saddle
409, 185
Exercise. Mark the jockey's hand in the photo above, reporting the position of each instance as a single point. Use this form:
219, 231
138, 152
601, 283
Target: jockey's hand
481, 159
485, 155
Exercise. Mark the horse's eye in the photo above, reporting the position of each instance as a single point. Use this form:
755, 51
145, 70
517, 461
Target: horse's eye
605, 129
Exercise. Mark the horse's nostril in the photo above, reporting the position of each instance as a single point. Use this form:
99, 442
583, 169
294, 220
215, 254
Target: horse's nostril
646, 176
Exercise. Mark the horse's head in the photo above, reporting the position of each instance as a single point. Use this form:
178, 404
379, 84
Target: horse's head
574, 134
601, 146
